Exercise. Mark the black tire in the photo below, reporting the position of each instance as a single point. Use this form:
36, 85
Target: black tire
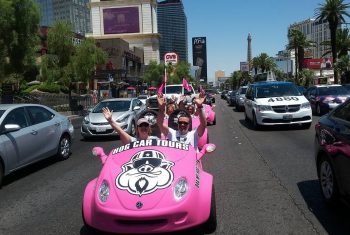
327, 180
64, 147
246, 119
210, 225
255, 123
133, 129
318, 110
1, 174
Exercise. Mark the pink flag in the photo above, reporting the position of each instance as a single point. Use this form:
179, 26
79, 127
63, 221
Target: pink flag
160, 89
186, 85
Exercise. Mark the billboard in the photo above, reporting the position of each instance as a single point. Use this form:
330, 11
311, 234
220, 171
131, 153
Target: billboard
320, 63
199, 50
121, 20
244, 66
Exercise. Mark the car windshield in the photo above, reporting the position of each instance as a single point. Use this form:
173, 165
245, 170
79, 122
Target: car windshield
2, 112
347, 87
277, 90
173, 89
332, 90
142, 97
116, 106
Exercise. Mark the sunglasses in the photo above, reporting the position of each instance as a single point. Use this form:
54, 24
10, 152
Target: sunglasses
183, 123
144, 125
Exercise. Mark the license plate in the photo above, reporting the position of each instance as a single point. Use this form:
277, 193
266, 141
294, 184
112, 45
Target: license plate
100, 129
288, 117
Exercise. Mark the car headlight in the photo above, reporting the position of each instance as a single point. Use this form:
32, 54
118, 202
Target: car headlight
86, 120
180, 189
123, 119
305, 105
103, 191
264, 108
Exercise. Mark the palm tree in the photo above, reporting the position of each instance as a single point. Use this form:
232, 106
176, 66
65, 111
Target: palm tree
298, 42
342, 43
333, 11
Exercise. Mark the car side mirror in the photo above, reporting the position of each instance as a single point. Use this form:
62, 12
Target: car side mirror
207, 148
99, 152
136, 108
11, 128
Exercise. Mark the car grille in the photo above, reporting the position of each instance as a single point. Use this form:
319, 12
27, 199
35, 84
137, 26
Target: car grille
100, 123
286, 108
143, 222
108, 131
270, 120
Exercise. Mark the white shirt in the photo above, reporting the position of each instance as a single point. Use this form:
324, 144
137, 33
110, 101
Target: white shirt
190, 138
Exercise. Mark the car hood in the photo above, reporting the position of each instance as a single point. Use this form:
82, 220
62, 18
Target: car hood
99, 117
133, 179
283, 100
335, 98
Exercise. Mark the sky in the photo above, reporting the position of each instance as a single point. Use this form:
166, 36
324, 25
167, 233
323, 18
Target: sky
226, 24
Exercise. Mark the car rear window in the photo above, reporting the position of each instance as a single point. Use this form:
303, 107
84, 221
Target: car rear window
333, 90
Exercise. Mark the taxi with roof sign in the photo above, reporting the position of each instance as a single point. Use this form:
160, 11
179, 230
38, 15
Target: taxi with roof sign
276, 103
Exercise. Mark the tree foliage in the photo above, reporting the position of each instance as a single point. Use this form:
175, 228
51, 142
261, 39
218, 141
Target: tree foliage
333, 11
19, 20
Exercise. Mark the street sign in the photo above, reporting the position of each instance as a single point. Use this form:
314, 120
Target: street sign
171, 57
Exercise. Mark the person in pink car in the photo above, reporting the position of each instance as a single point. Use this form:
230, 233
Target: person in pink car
143, 131
182, 134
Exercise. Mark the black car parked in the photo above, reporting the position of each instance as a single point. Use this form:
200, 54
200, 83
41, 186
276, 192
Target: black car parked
332, 153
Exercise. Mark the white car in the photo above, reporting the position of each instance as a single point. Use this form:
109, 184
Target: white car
276, 103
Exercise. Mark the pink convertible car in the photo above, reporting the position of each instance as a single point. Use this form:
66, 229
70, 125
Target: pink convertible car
151, 186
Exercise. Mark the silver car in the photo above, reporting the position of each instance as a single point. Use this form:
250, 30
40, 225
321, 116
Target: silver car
240, 98
29, 133
126, 111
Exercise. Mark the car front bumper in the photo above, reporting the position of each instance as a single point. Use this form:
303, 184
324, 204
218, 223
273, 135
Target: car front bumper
90, 130
270, 118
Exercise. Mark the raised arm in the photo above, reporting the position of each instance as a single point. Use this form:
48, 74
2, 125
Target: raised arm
203, 120
124, 137
164, 129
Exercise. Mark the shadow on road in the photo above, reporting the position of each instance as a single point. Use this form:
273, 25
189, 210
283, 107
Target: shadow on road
335, 219
88, 231
249, 125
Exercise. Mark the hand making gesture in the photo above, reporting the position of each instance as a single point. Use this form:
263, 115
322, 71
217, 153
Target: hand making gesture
161, 101
200, 99
107, 113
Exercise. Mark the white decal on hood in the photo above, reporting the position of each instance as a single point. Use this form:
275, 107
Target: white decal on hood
147, 171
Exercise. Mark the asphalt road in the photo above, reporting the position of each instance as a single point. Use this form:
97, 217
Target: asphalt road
265, 184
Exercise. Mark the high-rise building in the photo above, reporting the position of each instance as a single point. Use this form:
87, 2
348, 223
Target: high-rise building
75, 12
218, 74
134, 21
317, 32
249, 51
172, 26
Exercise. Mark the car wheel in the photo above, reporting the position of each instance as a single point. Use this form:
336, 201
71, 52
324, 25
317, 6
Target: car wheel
255, 123
318, 110
64, 147
327, 181
246, 119
133, 129
1, 174
211, 224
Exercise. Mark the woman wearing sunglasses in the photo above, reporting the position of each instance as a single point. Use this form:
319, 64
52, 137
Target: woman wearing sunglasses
143, 131
182, 134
